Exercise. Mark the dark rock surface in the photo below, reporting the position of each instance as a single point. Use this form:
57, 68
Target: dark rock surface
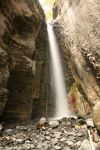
23, 59
77, 28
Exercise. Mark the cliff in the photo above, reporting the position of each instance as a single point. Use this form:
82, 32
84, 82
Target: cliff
77, 28
23, 60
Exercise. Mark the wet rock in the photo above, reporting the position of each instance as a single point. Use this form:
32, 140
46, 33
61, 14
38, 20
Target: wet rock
54, 124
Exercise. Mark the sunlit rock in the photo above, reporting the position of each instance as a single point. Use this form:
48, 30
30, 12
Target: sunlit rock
96, 116
77, 28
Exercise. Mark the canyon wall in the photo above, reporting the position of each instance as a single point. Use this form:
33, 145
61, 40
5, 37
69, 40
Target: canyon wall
77, 26
24, 80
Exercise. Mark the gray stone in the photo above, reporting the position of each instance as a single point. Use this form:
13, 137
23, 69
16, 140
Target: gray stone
78, 143
19, 141
47, 138
66, 148
9, 132
69, 143
58, 147
54, 124
89, 122
42, 121
54, 141
43, 146
47, 133
28, 146
63, 139
27, 142
21, 128
57, 135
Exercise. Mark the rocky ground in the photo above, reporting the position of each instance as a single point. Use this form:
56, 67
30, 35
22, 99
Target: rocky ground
65, 134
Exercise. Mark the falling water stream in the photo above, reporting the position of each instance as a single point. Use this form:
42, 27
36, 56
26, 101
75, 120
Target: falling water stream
61, 104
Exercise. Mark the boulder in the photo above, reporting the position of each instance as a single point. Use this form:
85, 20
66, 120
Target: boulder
96, 116
42, 121
85, 145
54, 124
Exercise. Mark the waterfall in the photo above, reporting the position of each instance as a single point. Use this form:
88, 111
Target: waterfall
61, 104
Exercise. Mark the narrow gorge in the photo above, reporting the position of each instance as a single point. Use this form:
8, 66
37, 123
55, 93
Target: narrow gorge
37, 88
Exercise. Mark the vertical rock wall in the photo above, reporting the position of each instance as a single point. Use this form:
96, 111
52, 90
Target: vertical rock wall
24, 56
77, 28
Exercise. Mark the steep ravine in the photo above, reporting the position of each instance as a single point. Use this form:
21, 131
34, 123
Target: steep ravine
76, 24
24, 71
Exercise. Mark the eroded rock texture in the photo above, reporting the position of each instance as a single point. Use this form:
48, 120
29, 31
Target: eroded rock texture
23, 59
77, 25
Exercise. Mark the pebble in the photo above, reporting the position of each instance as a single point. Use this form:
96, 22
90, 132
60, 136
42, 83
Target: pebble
78, 143
47, 138
69, 143
54, 141
28, 146
63, 139
19, 141
27, 142
66, 148
58, 147
57, 135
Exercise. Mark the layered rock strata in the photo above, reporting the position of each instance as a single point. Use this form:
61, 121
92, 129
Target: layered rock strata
23, 59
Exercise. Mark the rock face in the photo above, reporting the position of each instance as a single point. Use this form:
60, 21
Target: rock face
23, 59
96, 116
78, 32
